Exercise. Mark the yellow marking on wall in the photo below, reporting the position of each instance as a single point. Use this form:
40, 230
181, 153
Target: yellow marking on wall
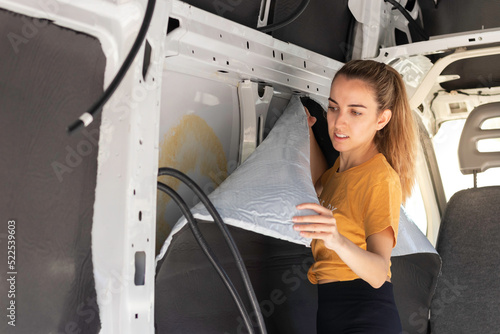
191, 147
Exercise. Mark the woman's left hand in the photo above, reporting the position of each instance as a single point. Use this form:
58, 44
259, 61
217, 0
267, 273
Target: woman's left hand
322, 226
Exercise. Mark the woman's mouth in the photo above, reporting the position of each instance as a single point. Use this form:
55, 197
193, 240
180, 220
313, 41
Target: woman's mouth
341, 136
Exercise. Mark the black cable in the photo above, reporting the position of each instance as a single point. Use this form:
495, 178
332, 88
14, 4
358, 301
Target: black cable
208, 252
227, 236
430, 106
87, 117
274, 26
410, 19
479, 93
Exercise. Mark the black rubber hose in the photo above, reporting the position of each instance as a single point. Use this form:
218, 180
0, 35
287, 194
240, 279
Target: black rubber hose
98, 105
227, 236
274, 26
410, 19
208, 252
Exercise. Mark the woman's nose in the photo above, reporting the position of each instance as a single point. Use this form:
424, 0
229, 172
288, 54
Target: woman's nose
340, 119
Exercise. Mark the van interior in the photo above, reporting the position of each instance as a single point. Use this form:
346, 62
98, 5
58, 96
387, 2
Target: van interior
101, 101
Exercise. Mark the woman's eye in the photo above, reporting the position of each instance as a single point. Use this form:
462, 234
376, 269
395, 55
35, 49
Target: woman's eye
333, 108
355, 113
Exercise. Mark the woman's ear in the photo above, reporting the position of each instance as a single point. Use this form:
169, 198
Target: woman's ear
384, 118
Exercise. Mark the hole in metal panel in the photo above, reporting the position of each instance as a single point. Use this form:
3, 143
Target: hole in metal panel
262, 10
146, 60
261, 89
401, 37
410, 5
173, 24
140, 268
259, 124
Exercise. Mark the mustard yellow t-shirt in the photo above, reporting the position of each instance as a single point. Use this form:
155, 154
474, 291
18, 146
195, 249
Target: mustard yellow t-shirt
364, 200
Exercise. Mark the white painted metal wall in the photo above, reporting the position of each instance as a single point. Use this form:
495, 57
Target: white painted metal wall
185, 113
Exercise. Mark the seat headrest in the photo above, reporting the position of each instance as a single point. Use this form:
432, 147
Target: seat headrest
469, 157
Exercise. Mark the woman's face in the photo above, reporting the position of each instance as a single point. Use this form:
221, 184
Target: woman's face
352, 116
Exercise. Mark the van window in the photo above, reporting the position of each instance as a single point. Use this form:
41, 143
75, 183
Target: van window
446, 148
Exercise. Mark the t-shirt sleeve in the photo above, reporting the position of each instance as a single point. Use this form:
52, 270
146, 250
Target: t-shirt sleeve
381, 209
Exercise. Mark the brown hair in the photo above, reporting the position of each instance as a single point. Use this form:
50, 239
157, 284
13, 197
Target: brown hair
397, 141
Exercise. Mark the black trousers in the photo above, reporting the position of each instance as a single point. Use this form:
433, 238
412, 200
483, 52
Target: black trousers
356, 307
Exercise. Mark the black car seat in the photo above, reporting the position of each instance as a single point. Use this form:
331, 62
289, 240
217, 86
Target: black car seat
467, 297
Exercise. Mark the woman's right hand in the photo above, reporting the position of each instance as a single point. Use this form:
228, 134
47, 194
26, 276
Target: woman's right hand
321, 226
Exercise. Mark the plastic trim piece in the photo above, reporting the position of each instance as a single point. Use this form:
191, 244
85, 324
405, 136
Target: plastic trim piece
253, 113
469, 157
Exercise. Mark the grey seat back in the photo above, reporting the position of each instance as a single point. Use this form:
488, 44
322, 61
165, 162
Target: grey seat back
467, 297
415, 269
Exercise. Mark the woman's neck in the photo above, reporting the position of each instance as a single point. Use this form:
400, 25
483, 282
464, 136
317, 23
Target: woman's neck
349, 160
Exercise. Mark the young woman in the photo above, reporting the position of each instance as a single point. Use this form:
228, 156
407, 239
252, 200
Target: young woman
371, 125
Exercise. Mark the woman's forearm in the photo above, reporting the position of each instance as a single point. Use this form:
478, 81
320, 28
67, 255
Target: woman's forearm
369, 266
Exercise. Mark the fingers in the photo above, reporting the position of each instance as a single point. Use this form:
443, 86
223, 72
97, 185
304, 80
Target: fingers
322, 226
314, 206
314, 219
310, 119
307, 112
317, 228
314, 235
316, 231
